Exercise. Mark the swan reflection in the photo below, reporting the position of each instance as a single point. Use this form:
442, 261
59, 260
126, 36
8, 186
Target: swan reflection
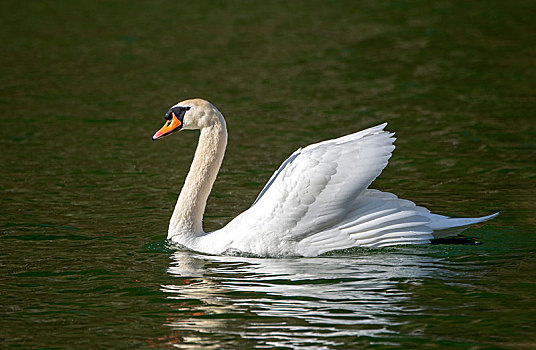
290, 302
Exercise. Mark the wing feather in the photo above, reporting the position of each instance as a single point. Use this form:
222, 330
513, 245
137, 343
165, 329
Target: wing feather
316, 186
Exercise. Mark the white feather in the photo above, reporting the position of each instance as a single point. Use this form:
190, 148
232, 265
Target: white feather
315, 202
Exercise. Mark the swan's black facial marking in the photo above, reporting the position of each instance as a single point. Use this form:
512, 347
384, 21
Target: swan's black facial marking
179, 113
172, 124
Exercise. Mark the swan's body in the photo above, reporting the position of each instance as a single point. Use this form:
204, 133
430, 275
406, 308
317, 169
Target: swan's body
315, 202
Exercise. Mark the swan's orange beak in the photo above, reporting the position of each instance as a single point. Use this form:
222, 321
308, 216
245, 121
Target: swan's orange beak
172, 125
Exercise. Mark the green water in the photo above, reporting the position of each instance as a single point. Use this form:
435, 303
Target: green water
85, 195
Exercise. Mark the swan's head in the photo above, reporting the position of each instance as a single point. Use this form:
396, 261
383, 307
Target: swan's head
189, 114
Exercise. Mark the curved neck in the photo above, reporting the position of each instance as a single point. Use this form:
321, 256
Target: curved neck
188, 214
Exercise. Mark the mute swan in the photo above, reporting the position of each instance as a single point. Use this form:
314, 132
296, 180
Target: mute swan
317, 201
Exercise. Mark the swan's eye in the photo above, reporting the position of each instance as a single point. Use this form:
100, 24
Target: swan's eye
181, 110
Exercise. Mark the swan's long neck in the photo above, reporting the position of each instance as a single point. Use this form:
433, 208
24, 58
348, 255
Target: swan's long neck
188, 214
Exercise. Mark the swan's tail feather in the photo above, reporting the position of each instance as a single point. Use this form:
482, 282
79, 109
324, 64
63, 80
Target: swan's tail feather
381, 219
444, 226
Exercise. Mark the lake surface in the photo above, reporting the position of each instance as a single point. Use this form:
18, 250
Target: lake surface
85, 195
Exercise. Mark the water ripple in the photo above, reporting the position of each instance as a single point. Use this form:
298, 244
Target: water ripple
292, 303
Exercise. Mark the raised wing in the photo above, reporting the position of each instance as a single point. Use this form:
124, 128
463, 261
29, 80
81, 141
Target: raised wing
315, 187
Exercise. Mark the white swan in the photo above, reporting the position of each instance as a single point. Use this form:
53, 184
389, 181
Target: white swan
315, 202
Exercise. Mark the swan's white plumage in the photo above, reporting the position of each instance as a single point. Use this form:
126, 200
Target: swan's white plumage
317, 187
316, 201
